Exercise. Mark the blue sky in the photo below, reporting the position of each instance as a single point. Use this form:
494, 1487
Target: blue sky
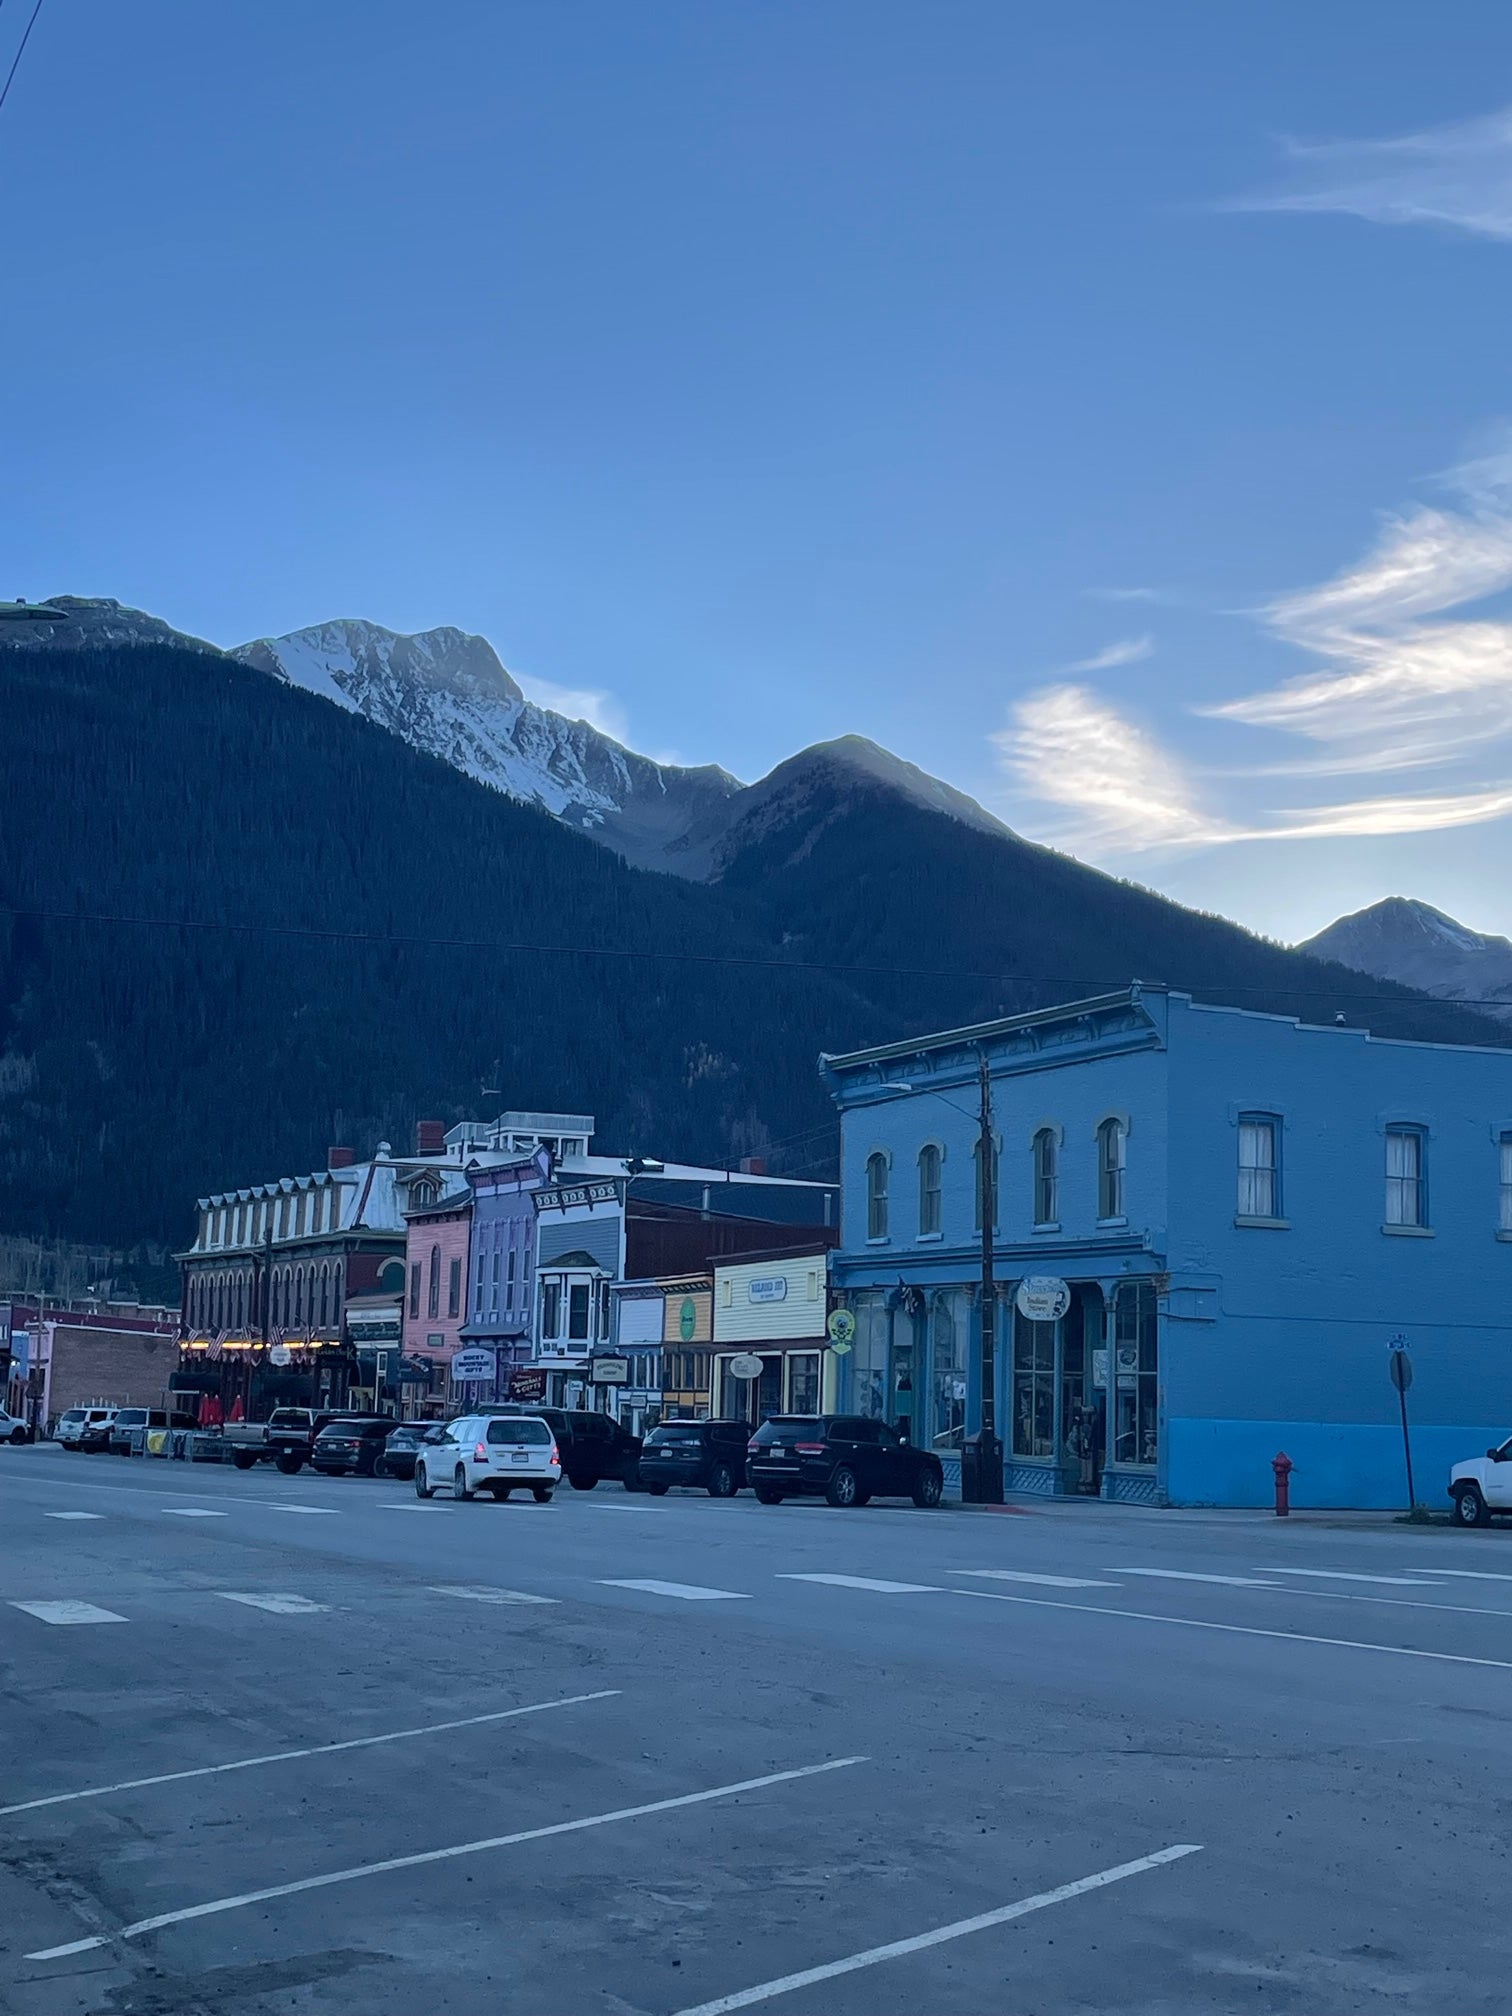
1106, 407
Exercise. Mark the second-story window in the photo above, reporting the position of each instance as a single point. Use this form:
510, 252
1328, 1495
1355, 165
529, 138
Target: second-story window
1259, 1166
1504, 1212
454, 1289
577, 1310
929, 1191
414, 1301
1406, 1177
433, 1290
551, 1308
478, 1287
1111, 1137
1046, 1177
876, 1195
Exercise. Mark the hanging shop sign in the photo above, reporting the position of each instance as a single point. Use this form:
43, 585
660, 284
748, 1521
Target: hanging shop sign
474, 1364
527, 1382
280, 1355
1042, 1298
745, 1365
609, 1371
842, 1330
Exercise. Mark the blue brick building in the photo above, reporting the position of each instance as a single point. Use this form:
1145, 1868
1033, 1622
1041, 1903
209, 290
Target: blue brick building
1244, 1211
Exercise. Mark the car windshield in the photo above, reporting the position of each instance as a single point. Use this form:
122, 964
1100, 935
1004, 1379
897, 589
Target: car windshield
530, 1432
289, 1417
406, 1438
73, 1416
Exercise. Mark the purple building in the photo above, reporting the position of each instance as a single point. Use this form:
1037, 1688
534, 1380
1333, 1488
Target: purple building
501, 1270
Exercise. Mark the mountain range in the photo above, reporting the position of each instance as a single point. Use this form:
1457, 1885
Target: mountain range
238, 922
1410, 942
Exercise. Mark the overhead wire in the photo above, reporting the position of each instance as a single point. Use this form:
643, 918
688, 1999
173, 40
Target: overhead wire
16, 64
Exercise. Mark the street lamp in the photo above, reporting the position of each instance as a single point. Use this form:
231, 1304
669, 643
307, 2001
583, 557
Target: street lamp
982, 1453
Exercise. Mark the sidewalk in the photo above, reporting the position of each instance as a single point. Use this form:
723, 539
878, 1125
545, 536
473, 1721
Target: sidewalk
1102, 1510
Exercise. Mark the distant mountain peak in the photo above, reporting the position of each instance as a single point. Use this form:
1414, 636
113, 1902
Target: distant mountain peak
1401, 938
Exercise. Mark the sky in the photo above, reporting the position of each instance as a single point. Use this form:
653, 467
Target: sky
1105, 407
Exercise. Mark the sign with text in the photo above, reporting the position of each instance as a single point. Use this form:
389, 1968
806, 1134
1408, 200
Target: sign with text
767, 1288
473, 1364
610, 1371
527, 1382
1042, 1298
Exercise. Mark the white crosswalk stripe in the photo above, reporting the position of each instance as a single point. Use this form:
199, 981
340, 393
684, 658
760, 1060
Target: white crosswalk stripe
1471, 1574
1044, 1581
1189, 1575
73, 1515
1343, 1575
489, 1595
281, 1606
870, 1582
685, 1592
319, 1511
192, 1512
69, 1613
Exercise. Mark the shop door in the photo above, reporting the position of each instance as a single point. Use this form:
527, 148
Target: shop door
905, 1413
769, 1389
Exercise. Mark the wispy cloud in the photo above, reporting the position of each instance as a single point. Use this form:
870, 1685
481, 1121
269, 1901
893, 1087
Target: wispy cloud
1458, 175
1127, 651
599, 709
1124, 594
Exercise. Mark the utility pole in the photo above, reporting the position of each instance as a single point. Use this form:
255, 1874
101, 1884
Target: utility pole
982, 1453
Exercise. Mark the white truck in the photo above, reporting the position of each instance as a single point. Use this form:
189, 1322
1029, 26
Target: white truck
1482, 1486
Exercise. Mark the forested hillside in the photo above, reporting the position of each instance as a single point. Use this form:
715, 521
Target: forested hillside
217, 890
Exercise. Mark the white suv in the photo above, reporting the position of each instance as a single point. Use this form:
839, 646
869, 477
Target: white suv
1482, 1486
13, 1428
85, 1427
493, 1453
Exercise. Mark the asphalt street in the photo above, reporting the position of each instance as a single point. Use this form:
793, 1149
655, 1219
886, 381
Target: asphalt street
307, 1745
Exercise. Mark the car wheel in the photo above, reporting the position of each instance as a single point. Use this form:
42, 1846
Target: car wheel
423, 1486
1470, 1508
765, 1495
291, 1465
657, 1490
579, 1482
459, 1485
541, 1493
722, 1482
380, 1468
243, 1461
20, 1437
927, 1489
841, 1489
501, 1493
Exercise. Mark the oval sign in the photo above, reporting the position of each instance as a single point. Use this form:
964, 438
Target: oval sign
841, 1327
280, 1355
1043, 1298
746, 1366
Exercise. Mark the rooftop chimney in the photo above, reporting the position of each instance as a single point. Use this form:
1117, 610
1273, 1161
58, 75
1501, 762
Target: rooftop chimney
753, 1165
338, 1158
430, 1137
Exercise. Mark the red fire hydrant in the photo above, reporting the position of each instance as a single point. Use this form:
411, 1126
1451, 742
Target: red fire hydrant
1283, 1466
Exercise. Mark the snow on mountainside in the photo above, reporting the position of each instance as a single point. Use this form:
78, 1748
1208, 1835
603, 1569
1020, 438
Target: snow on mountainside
445, 692
1401, 939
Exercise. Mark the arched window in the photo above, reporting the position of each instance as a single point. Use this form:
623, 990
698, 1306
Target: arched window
1046, 1177
1110, 1168
298, 1295
997, 1188
876, 1195
929, 1190
433, 1293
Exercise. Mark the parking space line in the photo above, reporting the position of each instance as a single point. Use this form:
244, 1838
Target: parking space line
218, 1905
1022, 1575
899, 1949
281, 1606
868, 1582
1189, 1575
1238, 1630
314, 1750
69, 1613
488, 1595
686, 1592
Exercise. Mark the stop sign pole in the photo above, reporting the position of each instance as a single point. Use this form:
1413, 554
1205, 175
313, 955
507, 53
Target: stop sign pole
1400, 1365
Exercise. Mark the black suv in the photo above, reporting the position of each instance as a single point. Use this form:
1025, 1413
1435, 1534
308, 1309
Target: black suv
842, 1457
710, 1453
592, 1446
351, 1443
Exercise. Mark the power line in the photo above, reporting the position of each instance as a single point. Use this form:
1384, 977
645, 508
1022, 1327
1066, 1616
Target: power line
16, 65
746, 960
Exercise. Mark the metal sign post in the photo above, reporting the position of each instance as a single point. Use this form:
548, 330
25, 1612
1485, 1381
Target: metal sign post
1400, 1365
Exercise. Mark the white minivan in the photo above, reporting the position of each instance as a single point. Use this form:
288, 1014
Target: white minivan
496, 1453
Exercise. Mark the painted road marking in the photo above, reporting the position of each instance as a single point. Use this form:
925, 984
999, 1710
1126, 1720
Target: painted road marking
785, 1984
1460, 1574
1236, 1630
688, 1592
868, 1582
1186, 1575
1340, 1575
221, 1904
419, 1505
316, 1511
317, 1750
1020, 1575
73, 1515
489, 1595
192, 1512
281, 1606
69, 1613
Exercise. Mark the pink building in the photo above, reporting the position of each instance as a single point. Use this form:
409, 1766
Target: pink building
437, 1226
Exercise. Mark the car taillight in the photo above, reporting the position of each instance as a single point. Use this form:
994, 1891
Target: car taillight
480, 1454
808, 1448
753, 1448
553, 1457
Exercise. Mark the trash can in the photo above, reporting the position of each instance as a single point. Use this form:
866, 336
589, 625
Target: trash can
982, 1469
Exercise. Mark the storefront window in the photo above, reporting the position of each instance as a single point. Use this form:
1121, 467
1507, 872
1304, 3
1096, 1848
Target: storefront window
1082, 1336
947, 1371
803, 1383
1033, 1387
869, 1357
1136, 1438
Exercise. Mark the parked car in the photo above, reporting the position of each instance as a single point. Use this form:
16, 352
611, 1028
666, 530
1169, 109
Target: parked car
495, 1453
85, 1427
351, 1444
13, 1428
128, 1418
710, 1454
397, 1458
1482, 1486
593, 1446
844, 1458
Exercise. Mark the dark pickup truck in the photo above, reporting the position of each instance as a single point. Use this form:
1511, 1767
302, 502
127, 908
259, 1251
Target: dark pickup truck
286, 1438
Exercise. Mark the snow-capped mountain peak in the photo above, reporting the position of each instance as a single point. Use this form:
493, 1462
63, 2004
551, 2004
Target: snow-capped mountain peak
1409, 941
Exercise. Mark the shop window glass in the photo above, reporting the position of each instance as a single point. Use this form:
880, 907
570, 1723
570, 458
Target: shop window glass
1046, 1177
948, 1330
876, 1196
803, 1382
577, 1310
1406, 1188
454, 1289
869, 1357
1136, 1436
1082, 1334
1033, 1387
